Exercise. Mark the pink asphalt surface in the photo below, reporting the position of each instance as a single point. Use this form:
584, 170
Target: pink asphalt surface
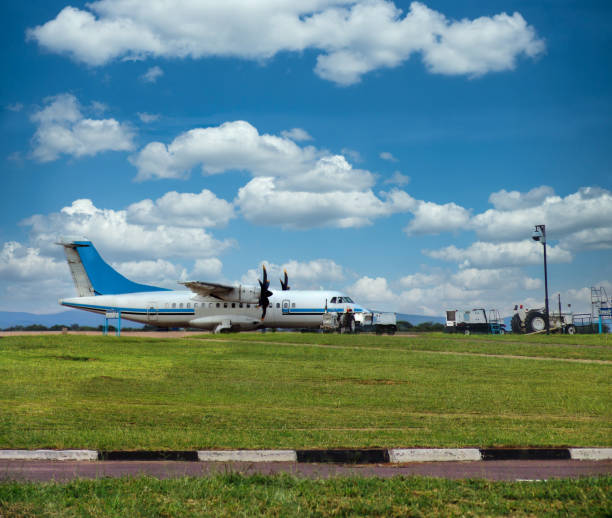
490, 470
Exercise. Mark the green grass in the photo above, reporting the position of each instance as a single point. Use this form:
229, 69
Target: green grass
356, 391
588, 347
237, 495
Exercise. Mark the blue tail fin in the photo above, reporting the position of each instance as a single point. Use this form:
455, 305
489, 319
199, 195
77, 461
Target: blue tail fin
93, 276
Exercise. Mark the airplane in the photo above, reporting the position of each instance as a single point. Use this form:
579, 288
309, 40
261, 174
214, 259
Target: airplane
205, 305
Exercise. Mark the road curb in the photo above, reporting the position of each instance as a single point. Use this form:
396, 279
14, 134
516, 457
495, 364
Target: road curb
176, 455
48, 455
247, 456
334, 456
591, 453
401, 455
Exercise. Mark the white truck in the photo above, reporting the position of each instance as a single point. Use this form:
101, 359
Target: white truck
384, 322
380, 322
474, 321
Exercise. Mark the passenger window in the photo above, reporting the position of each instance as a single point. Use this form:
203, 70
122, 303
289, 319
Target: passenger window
180, 305
210, 304
293, 304
248, 306
233, 304
225, 304
278, 304
218, 304
174, 304
240, 305
188, 304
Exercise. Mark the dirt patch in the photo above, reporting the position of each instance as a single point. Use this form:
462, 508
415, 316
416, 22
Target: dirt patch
74, 358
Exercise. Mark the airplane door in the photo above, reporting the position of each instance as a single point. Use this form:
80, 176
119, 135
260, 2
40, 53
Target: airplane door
152, 313
286, 305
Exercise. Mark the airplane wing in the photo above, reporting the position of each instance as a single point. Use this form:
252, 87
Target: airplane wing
209, 289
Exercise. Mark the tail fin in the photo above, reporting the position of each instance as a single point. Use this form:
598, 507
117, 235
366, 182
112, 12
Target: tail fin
93, 276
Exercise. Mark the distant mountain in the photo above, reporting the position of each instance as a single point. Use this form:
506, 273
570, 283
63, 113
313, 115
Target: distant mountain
64, 318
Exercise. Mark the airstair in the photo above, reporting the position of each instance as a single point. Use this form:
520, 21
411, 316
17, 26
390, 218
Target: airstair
496, 323
601, 306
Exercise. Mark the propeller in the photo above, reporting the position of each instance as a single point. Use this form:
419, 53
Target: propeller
264, 294
285, 282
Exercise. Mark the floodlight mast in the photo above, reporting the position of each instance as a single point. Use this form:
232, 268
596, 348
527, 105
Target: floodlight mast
540, 235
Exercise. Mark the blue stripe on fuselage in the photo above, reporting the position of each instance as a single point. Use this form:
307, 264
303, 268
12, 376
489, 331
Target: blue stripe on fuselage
142, 311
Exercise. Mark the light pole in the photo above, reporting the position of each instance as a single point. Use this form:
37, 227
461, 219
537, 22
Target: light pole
540, 235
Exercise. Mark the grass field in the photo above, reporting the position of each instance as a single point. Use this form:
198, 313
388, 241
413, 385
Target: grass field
291, 390
235, 495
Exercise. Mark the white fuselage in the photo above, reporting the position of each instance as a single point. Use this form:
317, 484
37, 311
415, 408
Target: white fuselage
287, 309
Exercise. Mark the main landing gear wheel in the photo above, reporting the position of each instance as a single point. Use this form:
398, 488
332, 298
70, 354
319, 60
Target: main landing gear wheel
466, 332
570, 330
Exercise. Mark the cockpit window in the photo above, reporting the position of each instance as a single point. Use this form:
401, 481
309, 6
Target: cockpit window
349, 300
333, 300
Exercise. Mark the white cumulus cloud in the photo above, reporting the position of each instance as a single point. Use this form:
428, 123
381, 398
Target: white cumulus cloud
294, 186
182, 209
111, 230
18, 262
209, 268
398, 178
261, 201
385, 155
500, 278
481, 254
157, 272
368, 290
147, 117
62, 129
314, 274
351, 37
296, 134
152, 74
433, 218
233, 145
579, 220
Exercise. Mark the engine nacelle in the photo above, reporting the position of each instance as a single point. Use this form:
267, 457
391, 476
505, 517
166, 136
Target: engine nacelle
246, 294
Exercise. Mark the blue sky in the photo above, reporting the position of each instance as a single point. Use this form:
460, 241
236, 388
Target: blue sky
399, 151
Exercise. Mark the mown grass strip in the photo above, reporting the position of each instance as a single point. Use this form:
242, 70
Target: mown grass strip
283, 495
585, 347
148, 394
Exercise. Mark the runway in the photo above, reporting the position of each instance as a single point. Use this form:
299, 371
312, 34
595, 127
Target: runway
490, 470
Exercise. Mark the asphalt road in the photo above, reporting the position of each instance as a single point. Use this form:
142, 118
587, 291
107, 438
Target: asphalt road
490, 470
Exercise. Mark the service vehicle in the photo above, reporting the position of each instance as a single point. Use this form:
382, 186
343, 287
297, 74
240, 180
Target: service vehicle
384, 322
474, 321
534, 321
